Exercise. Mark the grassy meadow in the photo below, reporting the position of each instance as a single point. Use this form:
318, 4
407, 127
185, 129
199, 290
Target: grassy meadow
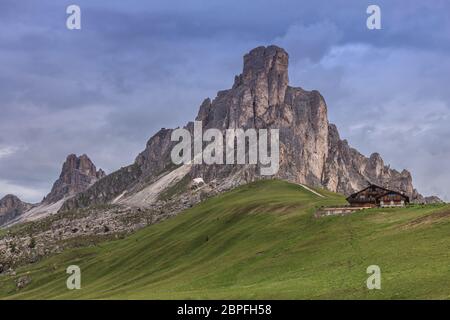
259, 241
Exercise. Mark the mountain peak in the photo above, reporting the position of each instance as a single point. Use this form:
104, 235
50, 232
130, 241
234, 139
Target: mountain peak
11, 207
77, 174
9, 201
265, 73
265, 59
311, 150
8, 197
81, 163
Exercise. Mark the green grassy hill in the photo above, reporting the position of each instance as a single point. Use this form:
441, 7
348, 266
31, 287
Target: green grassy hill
259, 241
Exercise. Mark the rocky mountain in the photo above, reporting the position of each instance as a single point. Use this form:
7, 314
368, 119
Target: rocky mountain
311, 150
153, 188
347, 170
77, 175
11, 207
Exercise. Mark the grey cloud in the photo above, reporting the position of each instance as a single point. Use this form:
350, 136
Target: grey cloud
310, 42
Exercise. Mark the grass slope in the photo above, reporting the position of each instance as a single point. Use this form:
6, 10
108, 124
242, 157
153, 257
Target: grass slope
259, 241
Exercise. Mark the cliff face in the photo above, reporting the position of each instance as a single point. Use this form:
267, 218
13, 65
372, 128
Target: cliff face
77, 175
11, 207
347, 170
261, 99
311, 150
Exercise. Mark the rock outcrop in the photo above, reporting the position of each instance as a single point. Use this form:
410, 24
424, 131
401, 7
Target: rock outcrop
107, 189
347, 170
261, 98
77, 175
11, 207
311, 150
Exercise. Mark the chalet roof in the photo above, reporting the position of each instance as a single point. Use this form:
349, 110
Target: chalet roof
385, 192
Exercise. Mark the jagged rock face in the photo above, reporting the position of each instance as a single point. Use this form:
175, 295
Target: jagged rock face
151, 162
261, 87
106, 189
12, 207
261, 98
77, 175
311, 150
156, 155
347, 170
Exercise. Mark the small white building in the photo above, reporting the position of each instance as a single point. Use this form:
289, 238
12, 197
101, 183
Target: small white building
198, 182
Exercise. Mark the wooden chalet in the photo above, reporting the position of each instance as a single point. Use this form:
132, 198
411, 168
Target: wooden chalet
376, 196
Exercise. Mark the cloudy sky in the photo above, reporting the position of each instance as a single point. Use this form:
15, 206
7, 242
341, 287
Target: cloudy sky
137, 66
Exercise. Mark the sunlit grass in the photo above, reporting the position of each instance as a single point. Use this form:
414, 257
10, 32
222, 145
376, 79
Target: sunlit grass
259, 241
